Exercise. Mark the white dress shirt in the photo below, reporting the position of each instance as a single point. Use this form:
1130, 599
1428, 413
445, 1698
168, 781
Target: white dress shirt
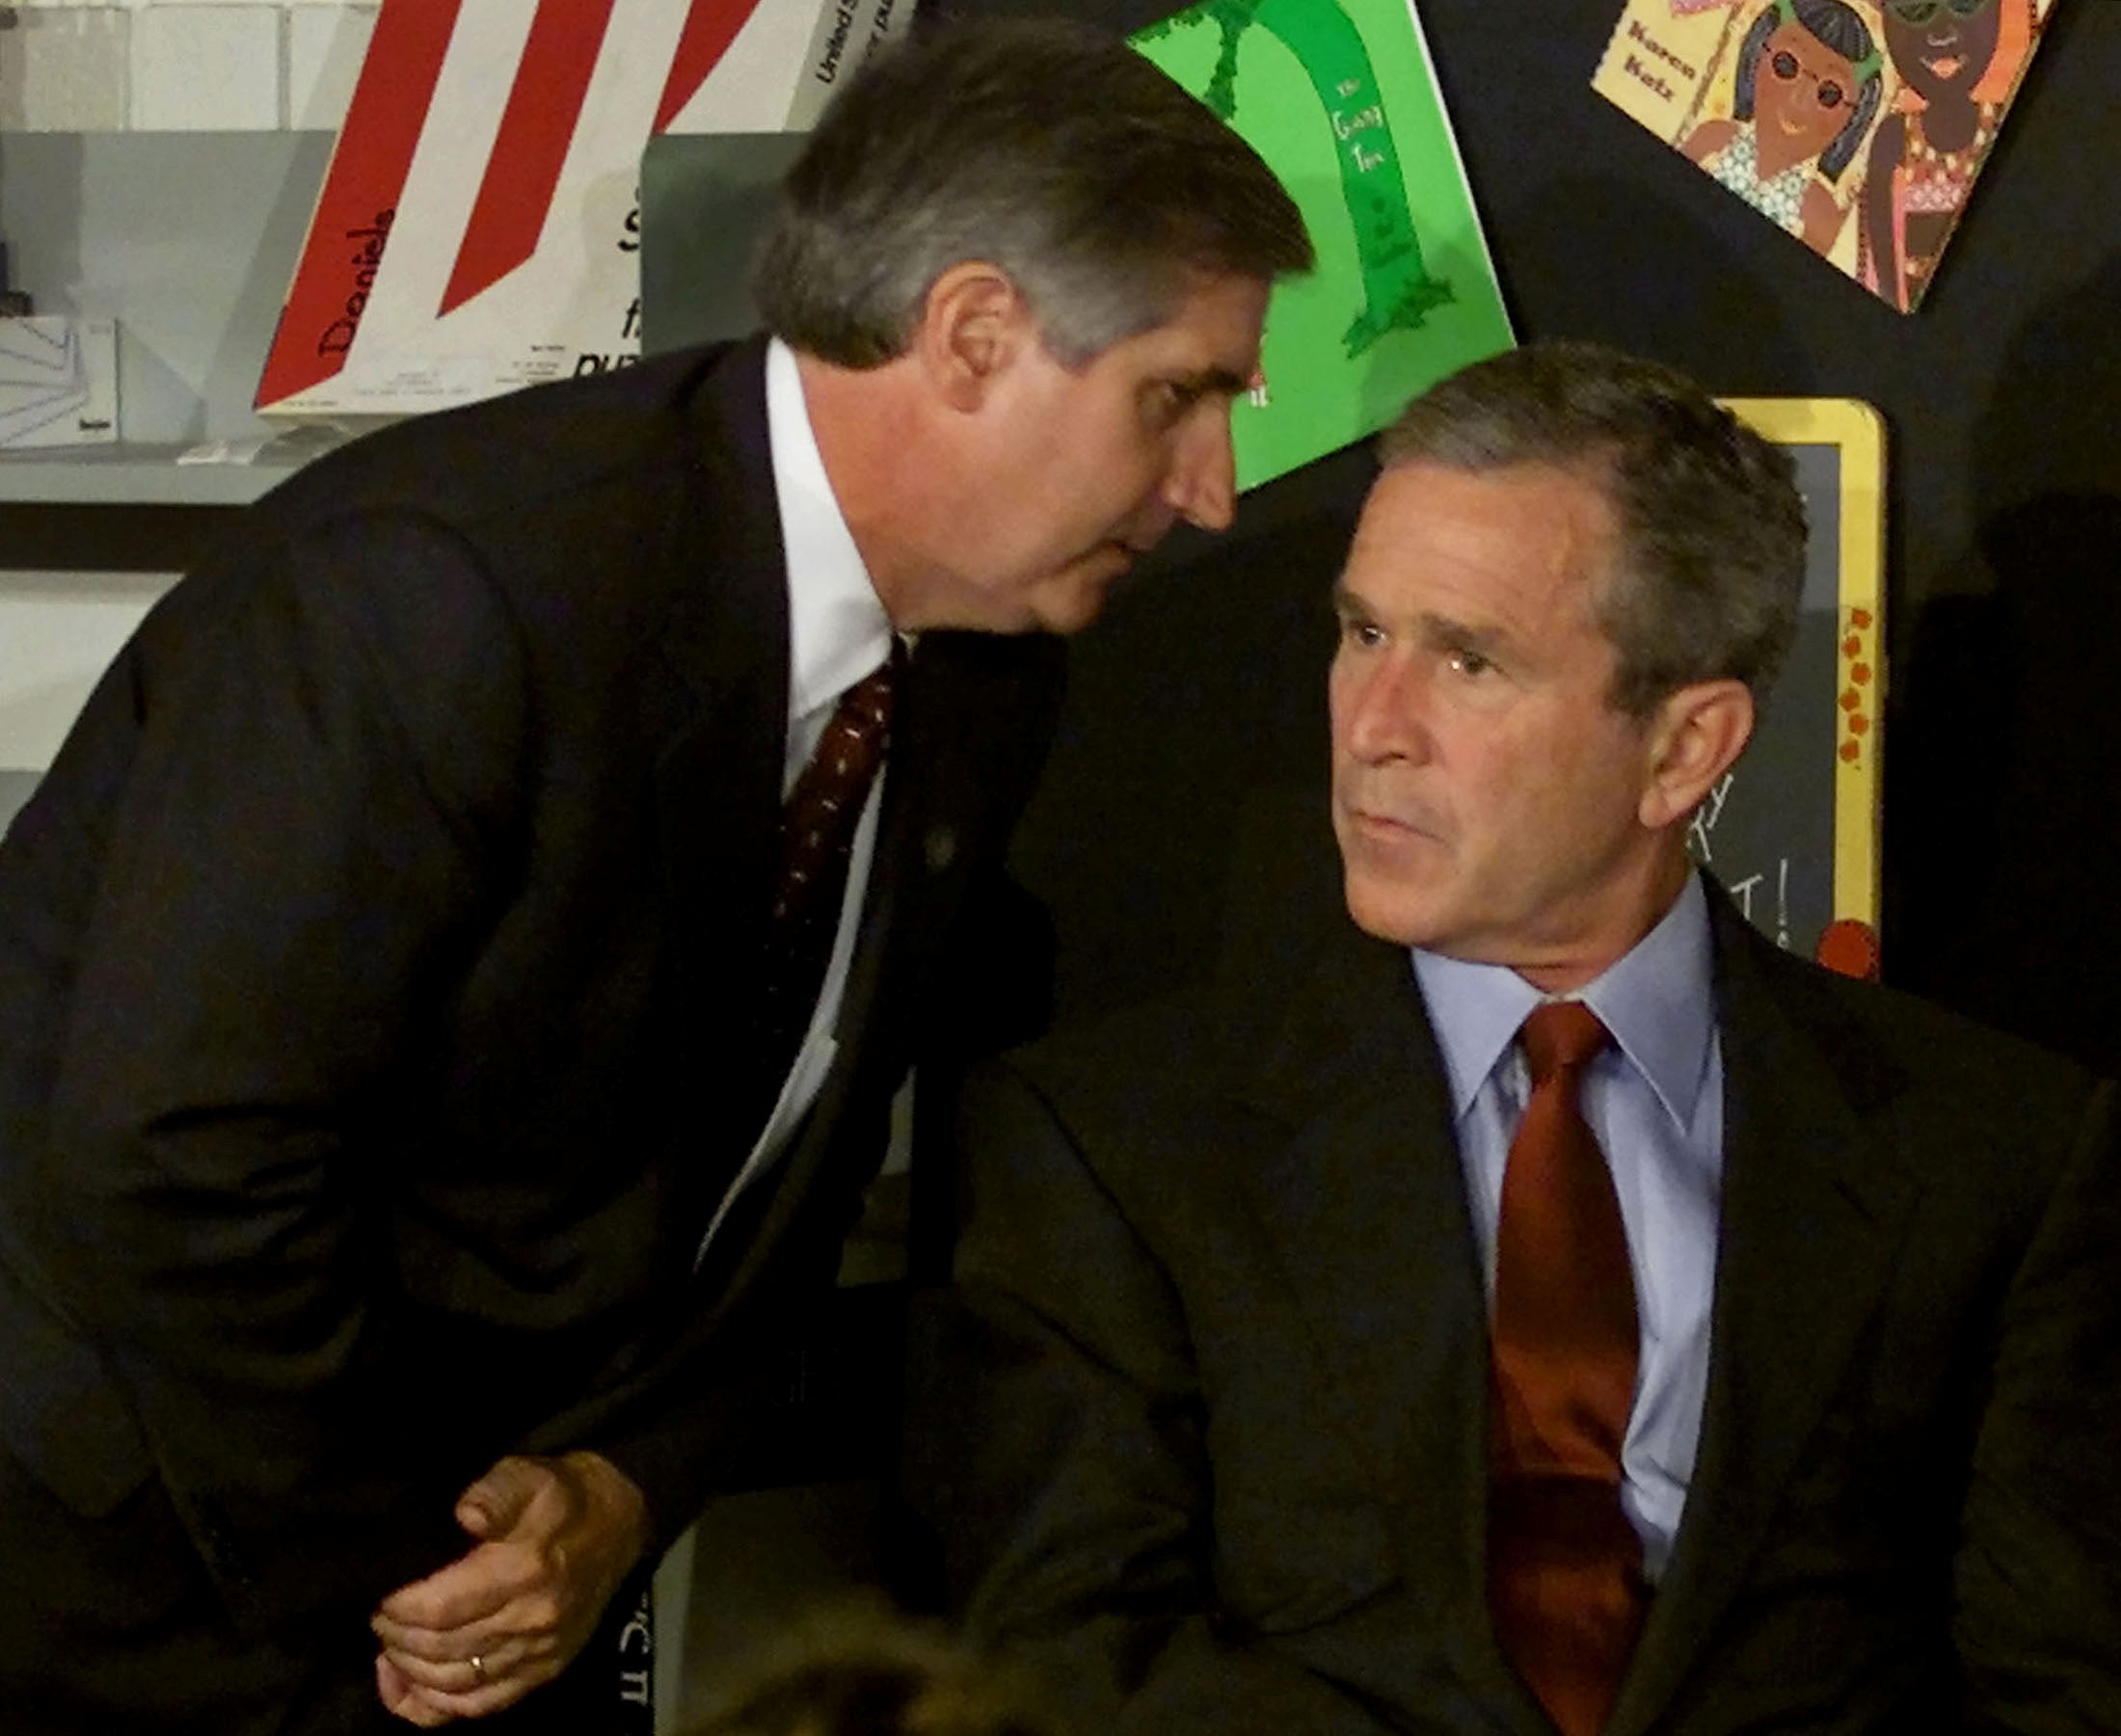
837, 633
1655, 1103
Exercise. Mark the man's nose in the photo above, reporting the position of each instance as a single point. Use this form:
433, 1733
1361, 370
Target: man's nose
1202, 484
1382, 715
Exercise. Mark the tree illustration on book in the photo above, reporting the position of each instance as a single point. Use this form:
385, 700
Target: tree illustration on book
1338, 96
1398, 289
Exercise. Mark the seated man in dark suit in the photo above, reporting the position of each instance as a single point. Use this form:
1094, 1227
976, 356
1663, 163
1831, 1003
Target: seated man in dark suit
1553, 1307
453, 981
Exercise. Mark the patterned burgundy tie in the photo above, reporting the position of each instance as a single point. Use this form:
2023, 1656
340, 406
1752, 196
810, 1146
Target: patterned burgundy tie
818, 824
1563, 1564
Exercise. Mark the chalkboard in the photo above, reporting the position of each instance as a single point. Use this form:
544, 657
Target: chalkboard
1793, 831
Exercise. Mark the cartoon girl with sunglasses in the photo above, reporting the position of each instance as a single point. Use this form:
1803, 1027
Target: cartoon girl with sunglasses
1957, 60
1807, 85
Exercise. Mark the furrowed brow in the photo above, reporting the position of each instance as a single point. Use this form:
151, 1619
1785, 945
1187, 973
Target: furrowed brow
1347, 605
1441, 633
1219, 382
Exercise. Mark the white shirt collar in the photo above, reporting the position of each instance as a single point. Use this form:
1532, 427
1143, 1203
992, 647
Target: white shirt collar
837, 628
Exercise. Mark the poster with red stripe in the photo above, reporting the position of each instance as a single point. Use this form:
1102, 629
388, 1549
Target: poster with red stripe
478, 228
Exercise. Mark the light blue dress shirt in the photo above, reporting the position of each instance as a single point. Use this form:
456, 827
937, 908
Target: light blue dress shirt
1655, 1102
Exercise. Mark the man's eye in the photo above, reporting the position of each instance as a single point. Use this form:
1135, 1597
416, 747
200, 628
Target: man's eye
1469, 662
1365, 633
1167, 401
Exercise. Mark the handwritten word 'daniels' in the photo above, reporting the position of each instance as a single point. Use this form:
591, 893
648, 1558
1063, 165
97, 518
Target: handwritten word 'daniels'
338, 337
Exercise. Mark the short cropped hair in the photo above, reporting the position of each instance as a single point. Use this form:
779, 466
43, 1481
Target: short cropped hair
1042, 147
1710, 568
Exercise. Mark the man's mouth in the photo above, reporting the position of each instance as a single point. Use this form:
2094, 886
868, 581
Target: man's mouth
1112, 551
1385, 827
1946, 66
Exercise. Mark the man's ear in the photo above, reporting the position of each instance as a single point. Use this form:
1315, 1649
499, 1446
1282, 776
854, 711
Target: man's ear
974, 323
1695, 736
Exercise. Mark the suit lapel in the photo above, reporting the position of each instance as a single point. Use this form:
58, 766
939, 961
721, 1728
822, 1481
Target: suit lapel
1813, 1208
726, 643
1365, 1198
915, 850
916, 846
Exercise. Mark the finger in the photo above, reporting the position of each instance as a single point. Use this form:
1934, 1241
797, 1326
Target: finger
420, 1642
497, 1502
483, 1700
401, 1699
446, 1675
488, 1636
526, 1627
473, 1587
459, 1674
395, 1636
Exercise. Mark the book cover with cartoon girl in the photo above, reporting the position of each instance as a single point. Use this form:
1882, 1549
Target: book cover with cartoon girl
1856, 125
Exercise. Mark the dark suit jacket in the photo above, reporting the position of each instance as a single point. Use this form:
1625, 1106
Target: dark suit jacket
1209, 1436
376, 966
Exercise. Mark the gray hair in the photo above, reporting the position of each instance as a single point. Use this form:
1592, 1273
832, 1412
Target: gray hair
1042, 147
1711, 525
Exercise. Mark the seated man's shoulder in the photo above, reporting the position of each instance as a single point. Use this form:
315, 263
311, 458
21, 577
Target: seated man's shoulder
1156, 1089
1936, 1070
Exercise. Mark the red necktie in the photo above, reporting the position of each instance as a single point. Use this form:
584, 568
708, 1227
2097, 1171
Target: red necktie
1563, 1564
818, 824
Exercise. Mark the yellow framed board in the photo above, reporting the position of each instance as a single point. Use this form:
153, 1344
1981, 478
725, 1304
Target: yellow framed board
1792, 832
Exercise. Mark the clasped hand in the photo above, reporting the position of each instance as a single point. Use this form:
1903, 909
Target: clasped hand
554, 1538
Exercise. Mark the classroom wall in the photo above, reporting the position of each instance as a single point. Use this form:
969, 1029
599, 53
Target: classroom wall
1204, 688
2003, 398
179, 66
73, 585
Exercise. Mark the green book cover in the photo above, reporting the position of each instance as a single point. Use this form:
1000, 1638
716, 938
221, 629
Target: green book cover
1341, 100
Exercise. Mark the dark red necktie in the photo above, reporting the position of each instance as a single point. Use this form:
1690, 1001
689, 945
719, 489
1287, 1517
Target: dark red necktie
818, 824
1563, 1564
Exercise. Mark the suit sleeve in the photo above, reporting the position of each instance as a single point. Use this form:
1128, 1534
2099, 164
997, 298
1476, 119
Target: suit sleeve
294, 861
2038, 1576
1059, 1449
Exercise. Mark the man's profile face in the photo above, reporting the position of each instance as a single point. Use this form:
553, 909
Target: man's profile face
1486, 795
1088, 467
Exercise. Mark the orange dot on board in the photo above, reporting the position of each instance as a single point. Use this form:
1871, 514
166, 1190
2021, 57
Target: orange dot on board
1858, 723
1858, 617
1851, 699
1852, 647
1860, 675
1851, 751
1848, 946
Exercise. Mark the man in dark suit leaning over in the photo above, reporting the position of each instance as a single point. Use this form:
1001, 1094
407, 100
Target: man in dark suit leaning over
411, 1098
1738, 1348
